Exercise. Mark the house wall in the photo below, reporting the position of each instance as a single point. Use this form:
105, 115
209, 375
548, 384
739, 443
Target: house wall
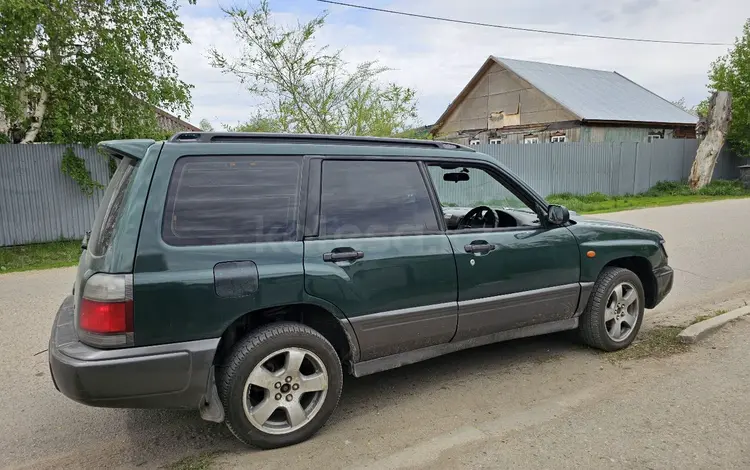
516, 136
573, 132
501, 99
625, 134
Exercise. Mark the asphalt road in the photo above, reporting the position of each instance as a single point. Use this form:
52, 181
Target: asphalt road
542, 402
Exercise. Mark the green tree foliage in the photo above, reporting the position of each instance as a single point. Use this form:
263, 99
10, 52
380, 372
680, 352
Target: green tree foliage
731, 73
688, 109
310, 89
260, 123
205, 125
87, 70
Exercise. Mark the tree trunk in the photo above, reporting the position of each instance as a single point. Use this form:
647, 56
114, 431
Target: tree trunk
718, 119
36, 119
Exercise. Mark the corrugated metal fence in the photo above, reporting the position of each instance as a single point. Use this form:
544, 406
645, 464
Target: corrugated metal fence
581, 168
38, 203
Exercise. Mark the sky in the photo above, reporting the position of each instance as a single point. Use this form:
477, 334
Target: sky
437, 59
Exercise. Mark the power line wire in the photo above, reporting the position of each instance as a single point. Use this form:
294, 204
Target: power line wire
528, 30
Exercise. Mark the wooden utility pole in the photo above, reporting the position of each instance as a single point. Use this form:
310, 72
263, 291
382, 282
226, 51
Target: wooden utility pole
717, 125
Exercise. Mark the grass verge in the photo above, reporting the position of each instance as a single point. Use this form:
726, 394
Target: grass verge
664, 193
707, 316
202, 461
39, 256
660, 341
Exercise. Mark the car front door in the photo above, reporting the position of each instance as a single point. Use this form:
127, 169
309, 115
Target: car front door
513, 272
374, 249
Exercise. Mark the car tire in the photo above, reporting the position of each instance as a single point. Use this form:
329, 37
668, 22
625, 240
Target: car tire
266, 353
617, 297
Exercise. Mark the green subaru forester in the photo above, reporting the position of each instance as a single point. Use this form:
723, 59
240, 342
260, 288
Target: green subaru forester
242, 274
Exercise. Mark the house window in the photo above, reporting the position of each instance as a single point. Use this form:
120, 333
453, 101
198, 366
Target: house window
531, 140
474, 142
496, 141
654, 137
558, 138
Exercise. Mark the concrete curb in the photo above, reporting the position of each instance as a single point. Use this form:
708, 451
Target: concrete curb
700, 330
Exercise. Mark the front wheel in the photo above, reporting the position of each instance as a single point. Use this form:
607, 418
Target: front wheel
282, 383
614, 312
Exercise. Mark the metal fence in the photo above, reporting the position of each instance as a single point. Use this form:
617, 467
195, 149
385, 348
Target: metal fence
38, 203
578, 167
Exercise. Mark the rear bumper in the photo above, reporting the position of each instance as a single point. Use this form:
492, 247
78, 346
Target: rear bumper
664, 280
163, 376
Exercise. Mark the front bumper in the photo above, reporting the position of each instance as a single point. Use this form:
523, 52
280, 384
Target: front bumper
164, 376
664, 280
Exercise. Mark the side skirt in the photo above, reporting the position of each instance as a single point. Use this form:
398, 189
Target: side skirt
360, 369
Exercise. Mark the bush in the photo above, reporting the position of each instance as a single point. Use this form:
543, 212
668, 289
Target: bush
723, 188
669, 188
594, 197
561, 196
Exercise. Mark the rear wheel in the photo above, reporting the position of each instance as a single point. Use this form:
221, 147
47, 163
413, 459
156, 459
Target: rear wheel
282, 383
614, 312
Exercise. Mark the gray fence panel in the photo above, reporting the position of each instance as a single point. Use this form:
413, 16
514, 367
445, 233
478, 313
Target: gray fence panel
628, 162
565, 167
38, 203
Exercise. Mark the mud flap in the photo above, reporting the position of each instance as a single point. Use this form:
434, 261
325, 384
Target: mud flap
211, 409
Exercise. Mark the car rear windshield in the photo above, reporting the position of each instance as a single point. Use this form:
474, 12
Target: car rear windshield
110, 209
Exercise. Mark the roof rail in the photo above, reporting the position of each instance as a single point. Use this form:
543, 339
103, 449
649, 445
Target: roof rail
273, 138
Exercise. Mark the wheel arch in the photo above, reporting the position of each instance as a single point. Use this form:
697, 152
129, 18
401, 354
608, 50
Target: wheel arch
334, 328
642, 268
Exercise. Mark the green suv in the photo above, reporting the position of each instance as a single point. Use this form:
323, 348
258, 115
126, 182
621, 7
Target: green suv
242, 274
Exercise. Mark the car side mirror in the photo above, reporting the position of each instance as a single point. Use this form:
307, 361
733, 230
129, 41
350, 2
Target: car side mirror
557, 215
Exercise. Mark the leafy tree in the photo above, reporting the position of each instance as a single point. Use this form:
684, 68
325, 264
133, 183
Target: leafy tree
307, 88
731, 73
694, 110
205, 125
261, 123
86, 70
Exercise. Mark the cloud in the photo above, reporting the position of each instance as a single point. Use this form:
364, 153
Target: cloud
438, 59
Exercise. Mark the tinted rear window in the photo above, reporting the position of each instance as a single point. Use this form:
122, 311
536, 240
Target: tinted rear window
218, 200
110, 209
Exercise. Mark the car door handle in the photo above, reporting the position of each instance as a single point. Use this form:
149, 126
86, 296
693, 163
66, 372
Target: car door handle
349, 255
479, 247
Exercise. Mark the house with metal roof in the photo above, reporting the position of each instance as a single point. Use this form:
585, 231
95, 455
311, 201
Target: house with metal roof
517, 101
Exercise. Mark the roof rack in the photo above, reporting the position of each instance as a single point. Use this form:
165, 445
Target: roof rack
273, 138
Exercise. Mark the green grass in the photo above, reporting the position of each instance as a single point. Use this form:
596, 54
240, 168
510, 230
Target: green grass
660, 341
664, 193
202, 461
39, 256
708, 316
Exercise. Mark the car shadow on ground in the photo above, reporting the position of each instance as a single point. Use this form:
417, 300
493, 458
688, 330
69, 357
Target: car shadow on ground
169, 434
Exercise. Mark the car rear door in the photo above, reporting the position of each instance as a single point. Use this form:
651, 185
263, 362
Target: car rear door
375, 250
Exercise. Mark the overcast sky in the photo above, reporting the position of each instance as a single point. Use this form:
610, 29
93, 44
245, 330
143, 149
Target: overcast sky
437, 59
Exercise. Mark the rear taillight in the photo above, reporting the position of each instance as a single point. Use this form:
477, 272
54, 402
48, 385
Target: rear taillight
105, 315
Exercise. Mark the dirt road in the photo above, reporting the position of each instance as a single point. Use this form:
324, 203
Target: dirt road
539, 403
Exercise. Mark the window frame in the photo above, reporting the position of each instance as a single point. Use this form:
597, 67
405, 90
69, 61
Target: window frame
652, 136
496, 141
517, 187
314, 208
298, 219
563, 137
474, 142
531, 140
